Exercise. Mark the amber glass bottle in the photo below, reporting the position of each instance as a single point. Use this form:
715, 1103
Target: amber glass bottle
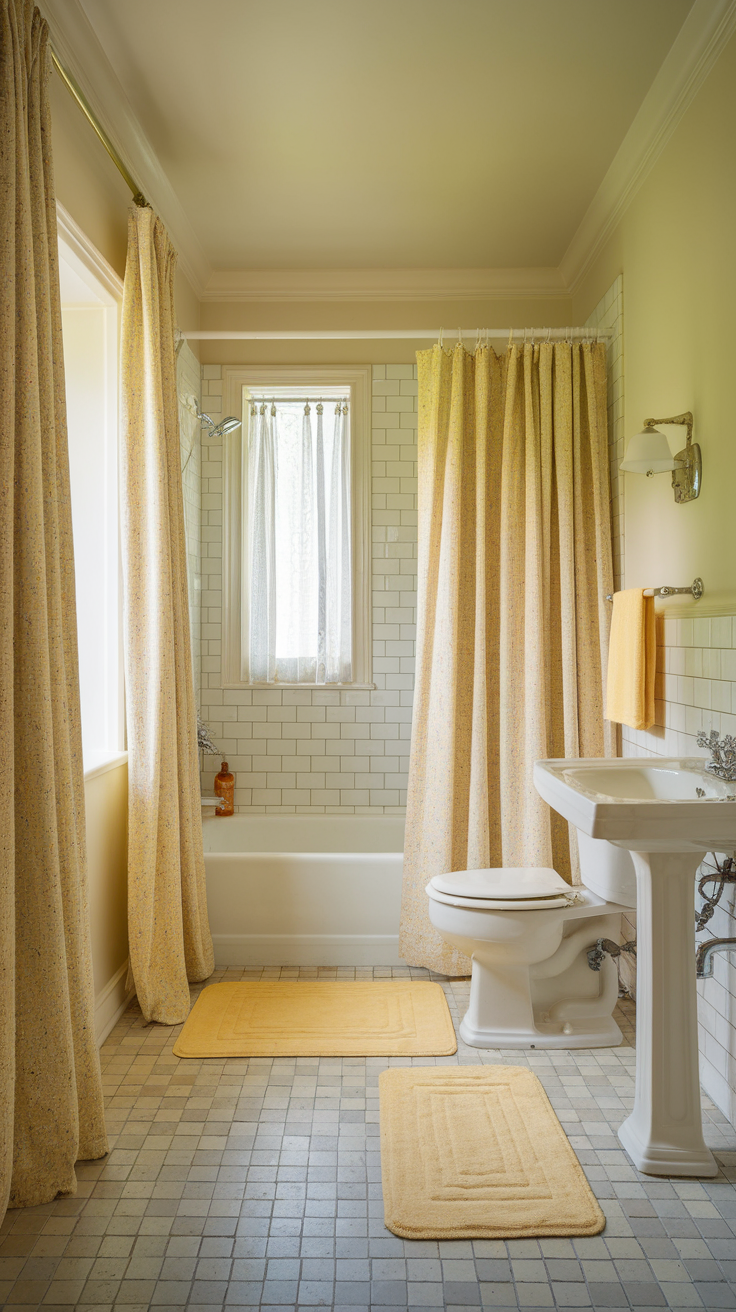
225, 788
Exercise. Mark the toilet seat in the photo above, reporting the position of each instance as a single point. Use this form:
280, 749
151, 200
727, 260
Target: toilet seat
525, 888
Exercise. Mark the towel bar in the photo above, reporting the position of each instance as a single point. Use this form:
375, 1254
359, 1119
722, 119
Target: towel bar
696, 589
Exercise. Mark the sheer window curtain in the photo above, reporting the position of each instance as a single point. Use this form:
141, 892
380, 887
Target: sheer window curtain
512, 637
298, 584
51, 1104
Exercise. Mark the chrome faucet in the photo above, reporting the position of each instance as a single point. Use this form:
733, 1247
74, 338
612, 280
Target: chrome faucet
722, 761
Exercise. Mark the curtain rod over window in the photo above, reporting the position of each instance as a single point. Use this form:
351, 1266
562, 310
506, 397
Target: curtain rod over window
518, 335
76, 91
316, 399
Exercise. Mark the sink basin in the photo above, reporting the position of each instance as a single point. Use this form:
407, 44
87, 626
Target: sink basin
668, 813
643, 805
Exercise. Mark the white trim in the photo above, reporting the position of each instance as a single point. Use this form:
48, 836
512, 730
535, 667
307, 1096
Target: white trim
706, 30
111, 761
80, 246
111, 1003
82, 256
318, 687
383, 284
80, 50
358, 379
306, 950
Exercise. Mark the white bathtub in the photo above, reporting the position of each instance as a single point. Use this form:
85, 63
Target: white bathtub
304, 890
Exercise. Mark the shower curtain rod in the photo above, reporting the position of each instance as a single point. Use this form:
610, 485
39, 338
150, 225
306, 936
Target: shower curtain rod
75, 90
391, 334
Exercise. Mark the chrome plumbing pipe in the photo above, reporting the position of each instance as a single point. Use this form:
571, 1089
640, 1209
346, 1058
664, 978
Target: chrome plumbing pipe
704, 955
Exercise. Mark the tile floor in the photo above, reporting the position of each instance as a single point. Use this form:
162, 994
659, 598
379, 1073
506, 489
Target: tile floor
246, 1184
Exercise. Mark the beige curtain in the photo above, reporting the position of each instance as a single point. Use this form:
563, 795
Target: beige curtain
169, 934
51, 1107
514, 567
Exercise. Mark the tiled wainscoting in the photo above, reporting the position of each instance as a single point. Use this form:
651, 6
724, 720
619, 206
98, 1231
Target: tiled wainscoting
325, 750
696, 689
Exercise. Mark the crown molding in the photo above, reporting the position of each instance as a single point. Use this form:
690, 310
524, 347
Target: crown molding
706, 30
383, 284
78, 48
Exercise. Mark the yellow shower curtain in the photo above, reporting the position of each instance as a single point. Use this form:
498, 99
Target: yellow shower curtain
168, 930
51, 1106
512, 639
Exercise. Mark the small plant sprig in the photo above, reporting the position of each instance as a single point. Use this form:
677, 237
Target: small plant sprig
204, 742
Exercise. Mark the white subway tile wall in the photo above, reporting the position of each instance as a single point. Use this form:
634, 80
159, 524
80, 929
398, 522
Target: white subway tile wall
188, 385
325, 750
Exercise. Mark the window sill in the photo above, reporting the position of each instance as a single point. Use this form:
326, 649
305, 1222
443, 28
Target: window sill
318, 687
100, 762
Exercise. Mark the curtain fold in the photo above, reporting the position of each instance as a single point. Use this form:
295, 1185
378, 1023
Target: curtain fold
169, 934
339, 619
51, 1106
512, 638
261, 640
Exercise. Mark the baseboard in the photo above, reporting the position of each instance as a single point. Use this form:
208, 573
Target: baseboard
111, 1002
306, 949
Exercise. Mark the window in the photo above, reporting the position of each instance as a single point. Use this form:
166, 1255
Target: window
297, 589
296, 551
91, 294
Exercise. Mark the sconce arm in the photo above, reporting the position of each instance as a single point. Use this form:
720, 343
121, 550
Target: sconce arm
686, 418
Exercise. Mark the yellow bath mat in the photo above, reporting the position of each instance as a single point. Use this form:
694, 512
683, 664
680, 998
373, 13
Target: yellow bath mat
284, 1018
478, 1153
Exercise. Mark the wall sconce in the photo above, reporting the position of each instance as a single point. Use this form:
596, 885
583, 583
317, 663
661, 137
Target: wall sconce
649, 453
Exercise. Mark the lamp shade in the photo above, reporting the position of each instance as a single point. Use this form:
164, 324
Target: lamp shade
648, 452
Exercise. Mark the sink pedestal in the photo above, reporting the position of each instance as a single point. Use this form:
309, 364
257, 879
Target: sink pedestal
664, 1133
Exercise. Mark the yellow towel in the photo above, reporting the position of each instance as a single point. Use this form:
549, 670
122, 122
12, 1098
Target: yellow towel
632, 660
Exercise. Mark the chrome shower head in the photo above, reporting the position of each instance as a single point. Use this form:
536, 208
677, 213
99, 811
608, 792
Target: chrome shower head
219, 430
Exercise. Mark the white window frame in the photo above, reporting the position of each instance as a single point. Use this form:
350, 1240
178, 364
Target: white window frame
238, 380
106, 287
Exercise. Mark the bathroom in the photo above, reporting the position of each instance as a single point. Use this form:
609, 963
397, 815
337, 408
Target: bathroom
630, 239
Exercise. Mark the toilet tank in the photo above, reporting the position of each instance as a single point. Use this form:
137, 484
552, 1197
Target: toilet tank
607, 870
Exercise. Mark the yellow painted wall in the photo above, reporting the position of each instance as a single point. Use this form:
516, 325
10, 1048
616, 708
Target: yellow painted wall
550, 311
91, 189
676, 248
106, 806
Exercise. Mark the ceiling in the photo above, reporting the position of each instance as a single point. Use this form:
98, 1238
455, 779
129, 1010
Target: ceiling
328, 134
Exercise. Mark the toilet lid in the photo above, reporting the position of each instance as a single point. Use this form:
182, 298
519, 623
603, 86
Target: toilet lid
512, 884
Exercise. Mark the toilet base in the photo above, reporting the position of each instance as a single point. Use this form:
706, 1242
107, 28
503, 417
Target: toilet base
593, 1032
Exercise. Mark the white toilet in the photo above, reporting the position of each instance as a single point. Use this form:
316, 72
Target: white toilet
528, 934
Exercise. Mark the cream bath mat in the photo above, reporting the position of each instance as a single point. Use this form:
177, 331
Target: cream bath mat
478, 1153
284, 1018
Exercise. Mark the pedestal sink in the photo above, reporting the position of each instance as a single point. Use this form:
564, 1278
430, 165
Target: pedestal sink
668, 813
